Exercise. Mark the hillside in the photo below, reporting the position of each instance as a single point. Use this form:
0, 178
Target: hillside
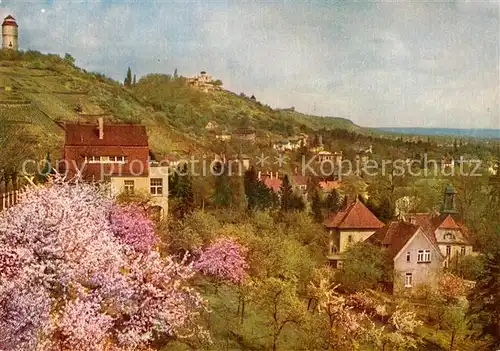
41, 91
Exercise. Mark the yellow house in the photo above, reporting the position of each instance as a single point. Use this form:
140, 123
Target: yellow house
155, 183
350, 225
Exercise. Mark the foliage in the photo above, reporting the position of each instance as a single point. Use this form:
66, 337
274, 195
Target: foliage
224, 259
332, 202
452, 287
455, 320
471, 267
140, 198
195, 231
128, 79
364, 266
181, 191
259, 196
69, 59
286, 193
223, 190
281, 303
399, 334
133, 227
67, 282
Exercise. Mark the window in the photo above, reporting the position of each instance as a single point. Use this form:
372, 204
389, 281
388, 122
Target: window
116, 159
92, 159
408, 280
105, 159
349, 239
449, 236
424, 256
407, 257
156, 187
448, 250
128, 186
462, 250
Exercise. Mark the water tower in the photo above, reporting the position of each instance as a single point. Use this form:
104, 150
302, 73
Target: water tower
9, 33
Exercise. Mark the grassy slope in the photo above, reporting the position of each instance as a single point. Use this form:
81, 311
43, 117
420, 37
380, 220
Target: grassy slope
175, 115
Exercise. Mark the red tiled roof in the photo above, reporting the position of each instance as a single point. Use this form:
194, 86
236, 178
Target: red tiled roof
354, 216
114, 135
449, 223
299, 180
9, 21
330, 185
272, 183
426, 222
395, 235
430, 222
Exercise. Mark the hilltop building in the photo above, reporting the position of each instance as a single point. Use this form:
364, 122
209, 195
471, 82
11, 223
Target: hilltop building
9, 33
204, 82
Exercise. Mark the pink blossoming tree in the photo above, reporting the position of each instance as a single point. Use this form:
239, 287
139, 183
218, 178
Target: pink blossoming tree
223, 259
74, 275
131, 224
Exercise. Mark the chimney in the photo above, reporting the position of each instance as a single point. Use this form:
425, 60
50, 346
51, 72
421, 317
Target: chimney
101, 128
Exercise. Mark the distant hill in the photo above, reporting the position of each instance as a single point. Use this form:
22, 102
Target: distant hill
469, 133
42, 91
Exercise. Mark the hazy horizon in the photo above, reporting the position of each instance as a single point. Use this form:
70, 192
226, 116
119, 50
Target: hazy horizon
405, 64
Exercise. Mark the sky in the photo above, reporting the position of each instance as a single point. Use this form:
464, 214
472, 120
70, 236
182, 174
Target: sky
380, 64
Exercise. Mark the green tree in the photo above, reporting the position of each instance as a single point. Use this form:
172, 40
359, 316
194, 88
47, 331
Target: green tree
279, 301
364, 266
68, 59
317, 207
175, 76
134, 81
258, 195
222, 191
332, 202
128, 79
455, 320
46, 170
182, 193
286, 194
471, 267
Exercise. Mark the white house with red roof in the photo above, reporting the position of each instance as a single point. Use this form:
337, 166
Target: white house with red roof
415, 257
446, 229
352, 224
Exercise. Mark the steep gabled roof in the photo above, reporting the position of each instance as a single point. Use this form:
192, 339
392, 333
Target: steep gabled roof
114, 135
354, 216
449, 223
430, 223
396, 235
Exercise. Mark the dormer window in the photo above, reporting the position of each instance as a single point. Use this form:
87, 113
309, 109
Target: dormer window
449, 236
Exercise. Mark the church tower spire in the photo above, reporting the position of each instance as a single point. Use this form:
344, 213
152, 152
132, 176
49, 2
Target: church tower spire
449, 204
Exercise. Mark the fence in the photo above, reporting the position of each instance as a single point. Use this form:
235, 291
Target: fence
10, 191
9, 199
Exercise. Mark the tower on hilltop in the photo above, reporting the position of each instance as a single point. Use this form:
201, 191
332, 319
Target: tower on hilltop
9, 33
